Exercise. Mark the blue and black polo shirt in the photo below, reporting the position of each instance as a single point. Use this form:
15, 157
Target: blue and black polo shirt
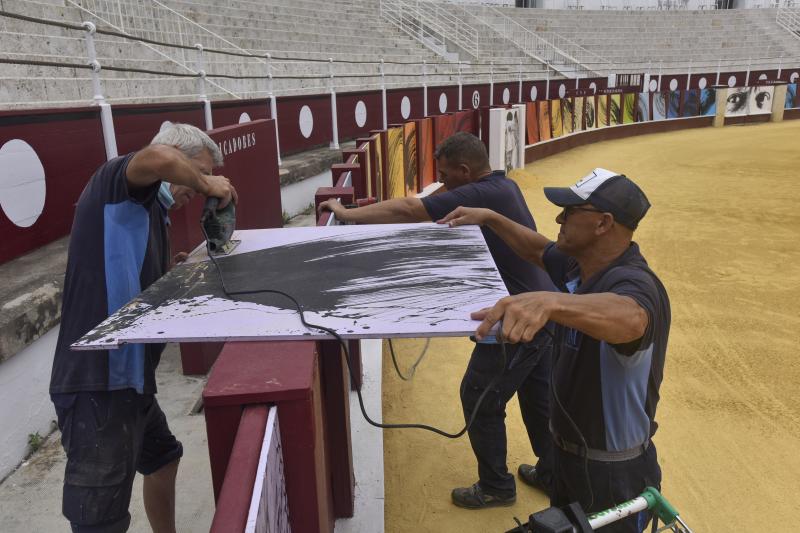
118, 247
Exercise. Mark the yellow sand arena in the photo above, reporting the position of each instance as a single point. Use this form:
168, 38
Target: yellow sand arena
724, 236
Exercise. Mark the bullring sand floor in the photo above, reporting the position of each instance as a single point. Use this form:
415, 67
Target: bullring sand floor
723, 236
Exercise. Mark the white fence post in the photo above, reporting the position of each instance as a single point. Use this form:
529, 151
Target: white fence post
273, 106
334, 118
383, 96
747, 76
201, 87
106, 118
460, 88
519, 75
491, 83
424, 88
689, 77
547, 81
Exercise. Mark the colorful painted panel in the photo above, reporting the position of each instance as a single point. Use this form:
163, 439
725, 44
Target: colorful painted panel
708, 102
736, 103
567, 115
674, 105
380, 177
643, 105
544, 120
411, 179
590, 113
578, 113
394, 163
518, 156
614, 109
532, 122
660, 106
759, 101
443, 127
691, 103
463, 121
791, 96
629, 108
602, 110
556, 122
427, 174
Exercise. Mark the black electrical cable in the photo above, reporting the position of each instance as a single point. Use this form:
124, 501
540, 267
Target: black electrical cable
413, 368
473, 415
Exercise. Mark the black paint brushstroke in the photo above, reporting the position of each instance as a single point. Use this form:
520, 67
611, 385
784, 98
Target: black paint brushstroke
347, 276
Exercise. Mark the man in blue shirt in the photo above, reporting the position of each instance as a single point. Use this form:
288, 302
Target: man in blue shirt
110, 421
612, 320
464, 169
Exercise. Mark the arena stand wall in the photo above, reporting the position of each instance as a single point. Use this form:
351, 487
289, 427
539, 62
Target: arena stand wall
306, 82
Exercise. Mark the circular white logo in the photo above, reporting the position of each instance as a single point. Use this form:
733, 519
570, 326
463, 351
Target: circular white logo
476, 99
306, 121
702, 83
361, 114
673, 84
405, 107
22, 184
562, 91
442, 103
593, 87
653, 86
534, 93
506, 95
762, 77
793, 77
732, 81
244, 117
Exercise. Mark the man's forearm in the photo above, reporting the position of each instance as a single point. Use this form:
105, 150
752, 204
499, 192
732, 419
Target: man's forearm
609, 317
525, 242
396, 210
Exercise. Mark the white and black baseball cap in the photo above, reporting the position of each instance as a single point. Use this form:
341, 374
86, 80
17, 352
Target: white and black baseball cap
607, 191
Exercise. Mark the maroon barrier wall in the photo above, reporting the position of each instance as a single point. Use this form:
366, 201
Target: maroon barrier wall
228, 112
351, 108
136, 125
435, 100
289, 117
69, 145
394, 105
513, 93
470, 99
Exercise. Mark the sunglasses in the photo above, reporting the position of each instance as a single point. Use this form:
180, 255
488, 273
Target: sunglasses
569, 209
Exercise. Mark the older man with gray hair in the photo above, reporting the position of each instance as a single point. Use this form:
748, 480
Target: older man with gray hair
110, 421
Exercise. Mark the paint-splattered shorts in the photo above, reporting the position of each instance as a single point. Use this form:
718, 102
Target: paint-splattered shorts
108, 437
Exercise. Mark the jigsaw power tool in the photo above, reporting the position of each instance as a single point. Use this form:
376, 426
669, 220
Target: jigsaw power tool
218, 226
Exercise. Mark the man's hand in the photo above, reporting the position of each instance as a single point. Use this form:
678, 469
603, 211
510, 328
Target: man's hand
335, 207
179, 258
219, 187
463, 216
523, 316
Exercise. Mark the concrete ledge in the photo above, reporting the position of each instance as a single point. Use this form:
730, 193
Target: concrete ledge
298, 167
31, 296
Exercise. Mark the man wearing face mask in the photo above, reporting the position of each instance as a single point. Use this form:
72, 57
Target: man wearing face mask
110, 421
464, 169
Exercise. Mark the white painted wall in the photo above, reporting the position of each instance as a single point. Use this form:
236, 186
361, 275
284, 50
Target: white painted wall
25, 405
296, 197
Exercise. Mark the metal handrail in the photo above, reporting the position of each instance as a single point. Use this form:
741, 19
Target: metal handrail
429, 22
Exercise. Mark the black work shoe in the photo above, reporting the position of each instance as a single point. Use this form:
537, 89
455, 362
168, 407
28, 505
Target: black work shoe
474, 498
529, 475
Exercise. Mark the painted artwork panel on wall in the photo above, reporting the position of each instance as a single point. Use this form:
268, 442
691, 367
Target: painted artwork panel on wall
579, 113
269, 505
708, 102
590, 113
556, 122
691, 103
629, 108
759, 101
395, 158
365, 281
517, 158
660, 100
567, 115
736, 103
427, 174
410, 163
791, 96
544, 121
505, 133
380, 179
643, 105
674, 105
614, 109
532, 122
602, 110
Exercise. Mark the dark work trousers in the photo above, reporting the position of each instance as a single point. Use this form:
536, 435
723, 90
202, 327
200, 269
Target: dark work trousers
527, 373
611, 484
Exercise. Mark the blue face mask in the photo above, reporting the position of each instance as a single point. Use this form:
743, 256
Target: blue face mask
165, 196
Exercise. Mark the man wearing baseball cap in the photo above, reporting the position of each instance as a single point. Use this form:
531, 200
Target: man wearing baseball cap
612, 321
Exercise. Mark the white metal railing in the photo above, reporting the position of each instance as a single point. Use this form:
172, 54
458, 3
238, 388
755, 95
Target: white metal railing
564, 55
788, 18
432, 24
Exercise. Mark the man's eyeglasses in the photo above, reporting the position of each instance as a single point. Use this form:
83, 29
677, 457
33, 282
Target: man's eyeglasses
569, 209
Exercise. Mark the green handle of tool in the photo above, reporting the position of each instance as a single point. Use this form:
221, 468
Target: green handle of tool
659, 505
